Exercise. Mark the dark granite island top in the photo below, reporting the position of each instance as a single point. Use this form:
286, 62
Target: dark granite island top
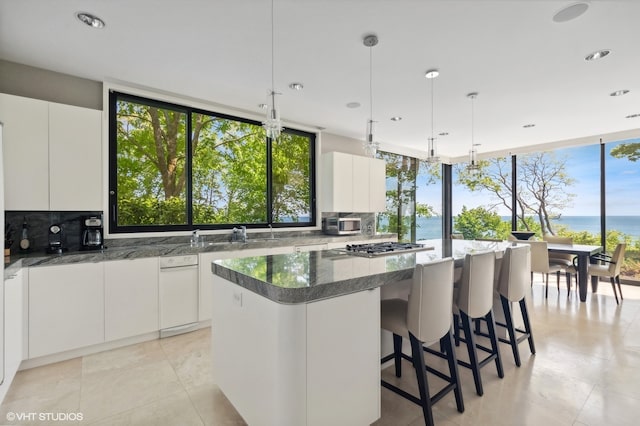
317, 275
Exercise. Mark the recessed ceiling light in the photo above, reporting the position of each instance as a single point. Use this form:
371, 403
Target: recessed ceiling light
263, 106
619, 92
528, 126
432, 73
90, 20
597, 55
633, 116
570, 12
396, 118
296, 86
353, 105
443, 134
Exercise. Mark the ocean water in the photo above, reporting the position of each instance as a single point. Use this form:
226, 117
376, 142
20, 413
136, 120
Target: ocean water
630, 225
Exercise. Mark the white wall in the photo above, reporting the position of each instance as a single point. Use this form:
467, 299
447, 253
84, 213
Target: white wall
331, 142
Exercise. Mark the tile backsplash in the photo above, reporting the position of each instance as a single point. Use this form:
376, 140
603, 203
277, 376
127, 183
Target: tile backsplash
38, 223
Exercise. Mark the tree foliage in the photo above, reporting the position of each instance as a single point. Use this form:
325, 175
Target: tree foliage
228, 169
630, 151
541, 192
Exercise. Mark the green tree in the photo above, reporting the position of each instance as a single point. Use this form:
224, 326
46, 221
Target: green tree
481, 223
542, 186
631, 151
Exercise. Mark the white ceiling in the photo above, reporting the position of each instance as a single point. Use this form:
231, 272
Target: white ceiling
526, 68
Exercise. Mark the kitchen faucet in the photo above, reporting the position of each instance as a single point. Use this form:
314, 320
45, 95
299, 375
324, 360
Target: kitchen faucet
243, 233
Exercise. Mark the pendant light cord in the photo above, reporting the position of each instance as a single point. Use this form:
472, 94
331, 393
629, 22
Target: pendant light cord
273, 72
371, 84
432, 109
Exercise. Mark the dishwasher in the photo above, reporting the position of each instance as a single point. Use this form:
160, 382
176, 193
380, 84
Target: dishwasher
178, 294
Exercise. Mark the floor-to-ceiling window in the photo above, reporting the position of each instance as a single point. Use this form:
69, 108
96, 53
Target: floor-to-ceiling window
414, 198
558, 193
622, 173
481, 199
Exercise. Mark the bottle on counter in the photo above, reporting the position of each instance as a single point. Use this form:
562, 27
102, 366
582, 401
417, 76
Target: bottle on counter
24, 237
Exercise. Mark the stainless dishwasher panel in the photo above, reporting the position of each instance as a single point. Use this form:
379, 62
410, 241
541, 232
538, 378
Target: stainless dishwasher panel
178, 294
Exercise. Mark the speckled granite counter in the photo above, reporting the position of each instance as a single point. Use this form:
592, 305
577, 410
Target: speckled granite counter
307, 277
133, 248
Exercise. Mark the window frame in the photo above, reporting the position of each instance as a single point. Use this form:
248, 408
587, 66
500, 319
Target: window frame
114, 228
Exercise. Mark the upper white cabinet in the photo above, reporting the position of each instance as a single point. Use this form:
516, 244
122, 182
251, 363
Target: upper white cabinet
75, 158
52, 155
352, 183
26, 152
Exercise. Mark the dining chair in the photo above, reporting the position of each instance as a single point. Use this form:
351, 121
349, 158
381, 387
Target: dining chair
511, 288
425, 318
610, 268
565, 259
540, 263
472, 300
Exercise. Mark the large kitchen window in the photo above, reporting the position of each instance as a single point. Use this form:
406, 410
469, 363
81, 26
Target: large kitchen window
174, 167
414, 198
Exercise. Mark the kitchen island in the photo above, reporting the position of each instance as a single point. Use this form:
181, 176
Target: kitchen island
296, 337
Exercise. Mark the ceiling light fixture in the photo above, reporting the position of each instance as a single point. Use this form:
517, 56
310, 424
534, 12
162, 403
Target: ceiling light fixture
296, 86
90, 20
473, 153
396, 118
619, 92
432, 153
633, 116
272, 124
570, 12
597, 55
443, 134
370, 146
528, 126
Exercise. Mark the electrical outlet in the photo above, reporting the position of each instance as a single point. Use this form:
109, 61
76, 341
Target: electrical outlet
237, 298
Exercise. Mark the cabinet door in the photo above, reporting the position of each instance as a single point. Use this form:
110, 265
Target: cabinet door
377, 185
350, 389
360, 182
26, 152
75, 158
130, 298
337, 182
66, 307
13, 326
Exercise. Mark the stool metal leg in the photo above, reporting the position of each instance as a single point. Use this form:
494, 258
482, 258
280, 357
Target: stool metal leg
447, 343
397, 354
471, 348
527, 325
491, 325
513, 339
421, 374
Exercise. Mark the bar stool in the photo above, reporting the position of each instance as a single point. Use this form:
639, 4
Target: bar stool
473, 299
512, 285
425, 318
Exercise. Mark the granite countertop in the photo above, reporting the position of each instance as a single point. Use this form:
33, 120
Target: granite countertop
134, 248
307, 277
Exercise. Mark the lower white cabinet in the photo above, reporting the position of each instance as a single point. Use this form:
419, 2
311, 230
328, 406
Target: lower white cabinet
66, 307
130, 298
13, 328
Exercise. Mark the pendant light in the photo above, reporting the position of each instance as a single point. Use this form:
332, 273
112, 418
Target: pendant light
473, 153
370, 146
272, 124
432, 152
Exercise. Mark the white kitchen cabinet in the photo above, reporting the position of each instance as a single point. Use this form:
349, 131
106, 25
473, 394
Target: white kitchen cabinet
352, 183
66, 307
13, 329
310, 247
26, 152
319, 362
343, 359
75, 158
130, 298
52, 155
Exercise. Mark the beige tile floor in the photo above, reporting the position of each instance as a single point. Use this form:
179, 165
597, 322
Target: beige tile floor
586, 372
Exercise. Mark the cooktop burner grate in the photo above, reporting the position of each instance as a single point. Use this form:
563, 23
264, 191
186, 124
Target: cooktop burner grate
380, 249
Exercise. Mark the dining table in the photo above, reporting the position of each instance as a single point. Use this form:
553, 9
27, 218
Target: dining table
583, 252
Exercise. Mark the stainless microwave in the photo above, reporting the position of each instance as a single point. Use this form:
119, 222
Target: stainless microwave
341, 225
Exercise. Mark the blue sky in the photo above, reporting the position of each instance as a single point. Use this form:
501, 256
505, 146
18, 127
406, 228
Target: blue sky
583, 165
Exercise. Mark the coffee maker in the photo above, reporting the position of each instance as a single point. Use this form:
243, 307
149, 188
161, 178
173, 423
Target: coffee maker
56, 238
91, 233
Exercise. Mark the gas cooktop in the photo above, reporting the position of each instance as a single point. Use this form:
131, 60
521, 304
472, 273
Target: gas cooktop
382, 249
